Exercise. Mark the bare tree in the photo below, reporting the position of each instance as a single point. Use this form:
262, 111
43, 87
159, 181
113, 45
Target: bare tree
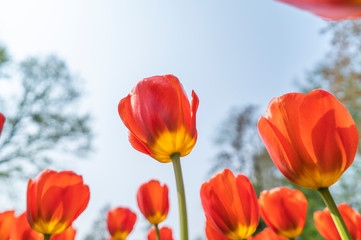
99, 227
39, 98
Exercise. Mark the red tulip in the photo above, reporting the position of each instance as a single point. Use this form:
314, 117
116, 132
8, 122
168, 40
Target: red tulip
153, 201
284, 211
311, 138
329, 9
6, 221
21, 230
68, 234
55, 200
327, 228
267, 234
164, 232
159, 117
212, 232
120, 222
2, 121
230, 203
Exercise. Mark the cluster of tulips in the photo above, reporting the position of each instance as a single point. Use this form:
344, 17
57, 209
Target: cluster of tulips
311, 138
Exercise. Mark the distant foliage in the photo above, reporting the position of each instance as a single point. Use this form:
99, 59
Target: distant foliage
44, 124
241, 149
99, 229
340, 73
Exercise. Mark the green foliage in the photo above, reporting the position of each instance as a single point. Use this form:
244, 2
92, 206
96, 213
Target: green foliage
340, 73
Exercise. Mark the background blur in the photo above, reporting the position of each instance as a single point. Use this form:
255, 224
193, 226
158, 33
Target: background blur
236, 55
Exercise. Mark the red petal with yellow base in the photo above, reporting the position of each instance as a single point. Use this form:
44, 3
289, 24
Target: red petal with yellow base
120, 222
312, 139
284, 210
55, 200
230, 203
152, 198
160, 118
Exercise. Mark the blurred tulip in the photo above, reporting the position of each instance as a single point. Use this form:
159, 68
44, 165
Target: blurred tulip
2, 121
212, 232
284, 211
120, 222
327, 228
21, 230
329, 9
68, 234
311, 138
230, 203
55, 200
6, 221
159, 117
152, 198
267, 234
164, 232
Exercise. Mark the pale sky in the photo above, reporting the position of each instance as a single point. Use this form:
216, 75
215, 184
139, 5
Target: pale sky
231, 53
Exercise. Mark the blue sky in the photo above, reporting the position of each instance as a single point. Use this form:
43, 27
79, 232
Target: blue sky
231, 53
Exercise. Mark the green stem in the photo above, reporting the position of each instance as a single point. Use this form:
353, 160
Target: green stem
336, 216
47, 236
181, 195
157, 231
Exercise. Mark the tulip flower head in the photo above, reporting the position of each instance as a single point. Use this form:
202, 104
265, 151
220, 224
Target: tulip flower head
2, 121
160, 119
164, 232
152, 198
329, 9
284, 211
212, 232
267, 234
120, 222
311, 138
6, 221
55, 200
230, 203
68, 234
327, 228
21, 230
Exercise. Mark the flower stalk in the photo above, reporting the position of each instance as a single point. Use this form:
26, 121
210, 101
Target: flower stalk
181, 195
157, 231
335, 213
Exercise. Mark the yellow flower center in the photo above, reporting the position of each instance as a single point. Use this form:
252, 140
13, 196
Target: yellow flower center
53, 227
168, 143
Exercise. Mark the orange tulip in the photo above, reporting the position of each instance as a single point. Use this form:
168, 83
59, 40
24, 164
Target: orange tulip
153, 201
159, 117
284, 211
6, 221
327, 228
68, 234
164, 232
311, 138
2, 121
212, 232
120, 222
329, 9
21, 230
230, 203
55, 200
267, 234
